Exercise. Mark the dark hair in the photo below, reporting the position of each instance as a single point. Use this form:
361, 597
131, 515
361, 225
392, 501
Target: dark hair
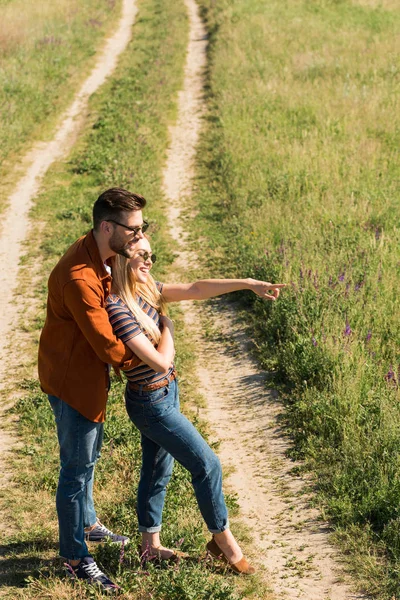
113, 202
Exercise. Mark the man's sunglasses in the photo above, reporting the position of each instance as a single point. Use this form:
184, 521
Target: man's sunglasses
146, 256
135, 230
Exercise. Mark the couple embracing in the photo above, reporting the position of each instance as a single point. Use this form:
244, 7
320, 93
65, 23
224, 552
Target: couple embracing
104, 308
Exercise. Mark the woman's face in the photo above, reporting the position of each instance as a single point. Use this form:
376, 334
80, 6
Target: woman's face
141, 260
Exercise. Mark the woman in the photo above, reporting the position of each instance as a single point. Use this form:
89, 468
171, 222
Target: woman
136, 310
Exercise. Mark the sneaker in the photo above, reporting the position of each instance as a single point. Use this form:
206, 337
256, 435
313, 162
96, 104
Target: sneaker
90, 572
101, 534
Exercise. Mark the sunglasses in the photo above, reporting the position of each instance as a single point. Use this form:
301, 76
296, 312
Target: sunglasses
146, 256
135, 230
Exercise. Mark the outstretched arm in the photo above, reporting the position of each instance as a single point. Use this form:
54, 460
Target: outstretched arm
208, 288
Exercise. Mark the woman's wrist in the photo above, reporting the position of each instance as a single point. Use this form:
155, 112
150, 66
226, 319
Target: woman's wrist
249, 283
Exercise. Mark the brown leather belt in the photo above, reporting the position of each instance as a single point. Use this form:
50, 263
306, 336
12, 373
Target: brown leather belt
153, 386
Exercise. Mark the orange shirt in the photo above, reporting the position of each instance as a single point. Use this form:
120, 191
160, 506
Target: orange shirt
77, 342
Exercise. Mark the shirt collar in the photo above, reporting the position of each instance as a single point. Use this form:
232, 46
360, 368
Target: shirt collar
93, 250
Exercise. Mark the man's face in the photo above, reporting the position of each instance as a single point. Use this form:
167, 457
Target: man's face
122, 240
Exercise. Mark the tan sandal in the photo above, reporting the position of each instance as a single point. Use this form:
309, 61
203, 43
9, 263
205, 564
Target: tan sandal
242, 567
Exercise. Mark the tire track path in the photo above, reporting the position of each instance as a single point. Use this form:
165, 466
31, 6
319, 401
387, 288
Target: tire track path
290, 542
15, 220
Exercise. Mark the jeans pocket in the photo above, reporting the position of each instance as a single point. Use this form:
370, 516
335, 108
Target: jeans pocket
158, 404
157, 396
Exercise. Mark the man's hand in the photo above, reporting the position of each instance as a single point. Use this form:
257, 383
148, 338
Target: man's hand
266, 290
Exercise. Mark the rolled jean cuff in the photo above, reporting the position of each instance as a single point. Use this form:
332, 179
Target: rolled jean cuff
220, 530
155, 529
75, 556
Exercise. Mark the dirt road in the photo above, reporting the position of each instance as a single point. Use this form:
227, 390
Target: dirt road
290, 542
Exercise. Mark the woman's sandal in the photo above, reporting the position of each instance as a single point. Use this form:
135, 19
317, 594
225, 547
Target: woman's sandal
242, 567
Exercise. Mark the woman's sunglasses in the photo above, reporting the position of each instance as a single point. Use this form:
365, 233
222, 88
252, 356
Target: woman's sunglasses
146, 256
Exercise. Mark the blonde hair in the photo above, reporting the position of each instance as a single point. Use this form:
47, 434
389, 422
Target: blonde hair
126, 287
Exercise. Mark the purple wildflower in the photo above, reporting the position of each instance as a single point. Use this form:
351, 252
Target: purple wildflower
358, 286
301, 274
314, 342
368, 336
341, 276
144, 557
347, 331
69, 568
378, 233
390, 375
122, 553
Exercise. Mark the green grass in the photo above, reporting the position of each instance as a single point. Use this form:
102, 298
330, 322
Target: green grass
298, 180
46, 49
123, 144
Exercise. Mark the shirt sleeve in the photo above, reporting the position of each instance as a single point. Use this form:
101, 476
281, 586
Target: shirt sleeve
85, 304
124, 324
159, 286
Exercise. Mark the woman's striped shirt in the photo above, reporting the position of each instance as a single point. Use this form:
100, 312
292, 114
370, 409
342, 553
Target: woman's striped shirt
126, 327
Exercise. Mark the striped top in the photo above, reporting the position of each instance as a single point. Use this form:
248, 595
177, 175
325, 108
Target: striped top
126, 327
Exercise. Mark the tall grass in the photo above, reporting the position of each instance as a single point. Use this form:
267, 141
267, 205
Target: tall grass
298, 182
124, 144
46, 49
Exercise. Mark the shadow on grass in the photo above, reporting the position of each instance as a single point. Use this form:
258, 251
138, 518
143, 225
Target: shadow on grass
22, 560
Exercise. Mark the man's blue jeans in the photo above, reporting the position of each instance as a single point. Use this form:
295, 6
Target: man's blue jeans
80, 443
167, 435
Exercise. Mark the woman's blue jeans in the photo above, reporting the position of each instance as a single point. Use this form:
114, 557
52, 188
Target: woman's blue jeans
80, 444
167, 435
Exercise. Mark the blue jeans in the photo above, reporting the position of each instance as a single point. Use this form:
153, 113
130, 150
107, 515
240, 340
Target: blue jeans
80, 443
167, 435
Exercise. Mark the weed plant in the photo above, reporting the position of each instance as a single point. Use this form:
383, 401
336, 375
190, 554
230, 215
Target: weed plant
298, 183
124, 144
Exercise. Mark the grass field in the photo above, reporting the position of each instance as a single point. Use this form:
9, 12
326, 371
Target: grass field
298, 182
124, 143
46, 49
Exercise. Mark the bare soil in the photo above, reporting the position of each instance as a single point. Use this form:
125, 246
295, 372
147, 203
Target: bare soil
290, 542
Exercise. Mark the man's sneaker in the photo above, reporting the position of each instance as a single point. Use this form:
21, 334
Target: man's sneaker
101, 534
90, 572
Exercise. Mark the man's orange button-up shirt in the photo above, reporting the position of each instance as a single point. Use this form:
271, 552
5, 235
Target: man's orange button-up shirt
77, 342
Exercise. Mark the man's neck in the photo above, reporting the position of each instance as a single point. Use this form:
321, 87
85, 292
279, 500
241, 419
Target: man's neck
104, 249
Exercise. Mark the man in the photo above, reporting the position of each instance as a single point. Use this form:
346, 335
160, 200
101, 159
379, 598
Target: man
76, 347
